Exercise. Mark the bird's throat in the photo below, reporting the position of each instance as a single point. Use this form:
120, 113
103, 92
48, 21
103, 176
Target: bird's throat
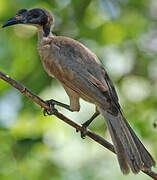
46, 30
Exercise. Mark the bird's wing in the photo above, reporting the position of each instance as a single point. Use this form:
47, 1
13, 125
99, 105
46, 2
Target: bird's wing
87, 75
112, 90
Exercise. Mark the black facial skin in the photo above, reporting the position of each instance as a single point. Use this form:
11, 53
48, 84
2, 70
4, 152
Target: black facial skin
21, 12
36, 16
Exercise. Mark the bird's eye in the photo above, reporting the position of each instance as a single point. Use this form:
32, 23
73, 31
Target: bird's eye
35, 15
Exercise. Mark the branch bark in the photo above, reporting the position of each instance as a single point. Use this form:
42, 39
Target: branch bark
77, 126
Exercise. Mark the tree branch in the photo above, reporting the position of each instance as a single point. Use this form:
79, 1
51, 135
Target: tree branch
77, 126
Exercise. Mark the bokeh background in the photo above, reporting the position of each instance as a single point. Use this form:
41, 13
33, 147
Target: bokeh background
123, 34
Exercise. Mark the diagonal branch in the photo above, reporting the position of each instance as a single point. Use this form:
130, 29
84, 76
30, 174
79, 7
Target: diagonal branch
77, 126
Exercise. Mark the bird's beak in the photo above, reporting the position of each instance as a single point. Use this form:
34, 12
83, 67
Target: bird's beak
15, 20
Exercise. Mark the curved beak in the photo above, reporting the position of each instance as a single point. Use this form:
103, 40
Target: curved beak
14, 20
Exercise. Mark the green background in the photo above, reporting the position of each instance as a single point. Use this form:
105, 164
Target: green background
123, 35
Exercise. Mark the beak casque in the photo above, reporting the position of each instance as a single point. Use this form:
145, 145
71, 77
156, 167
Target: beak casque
14, 20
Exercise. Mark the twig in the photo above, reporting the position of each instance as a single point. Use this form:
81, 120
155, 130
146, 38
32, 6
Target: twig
77, 126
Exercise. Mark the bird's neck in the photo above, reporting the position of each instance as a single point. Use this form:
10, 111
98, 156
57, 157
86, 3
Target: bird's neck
43, 32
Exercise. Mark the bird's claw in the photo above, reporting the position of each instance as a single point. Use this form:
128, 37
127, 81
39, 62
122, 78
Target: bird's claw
84, 132
53, 109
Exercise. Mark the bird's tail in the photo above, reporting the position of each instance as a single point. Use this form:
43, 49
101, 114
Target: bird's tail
130, 151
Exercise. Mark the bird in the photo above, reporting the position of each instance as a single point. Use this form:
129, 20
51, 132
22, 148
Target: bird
82, 75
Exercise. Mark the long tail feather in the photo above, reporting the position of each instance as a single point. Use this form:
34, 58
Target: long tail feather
130, 151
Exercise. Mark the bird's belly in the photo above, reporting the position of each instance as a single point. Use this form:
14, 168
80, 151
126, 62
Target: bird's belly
65, 76
51, 65
55, 70
52, 68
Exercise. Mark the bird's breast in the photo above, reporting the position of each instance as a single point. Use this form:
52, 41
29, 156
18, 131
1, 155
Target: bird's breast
53, 64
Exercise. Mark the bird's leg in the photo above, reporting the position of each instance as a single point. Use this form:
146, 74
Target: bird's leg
52, 103
87, 123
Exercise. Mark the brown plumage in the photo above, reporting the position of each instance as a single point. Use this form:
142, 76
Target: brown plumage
82, 76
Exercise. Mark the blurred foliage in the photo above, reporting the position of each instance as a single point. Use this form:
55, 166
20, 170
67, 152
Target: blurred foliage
123, 35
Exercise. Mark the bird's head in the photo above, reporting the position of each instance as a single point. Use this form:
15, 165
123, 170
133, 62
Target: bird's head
38, 17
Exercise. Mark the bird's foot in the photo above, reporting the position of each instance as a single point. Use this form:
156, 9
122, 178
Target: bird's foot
53, 110
86, 124
84, 132
52, 103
